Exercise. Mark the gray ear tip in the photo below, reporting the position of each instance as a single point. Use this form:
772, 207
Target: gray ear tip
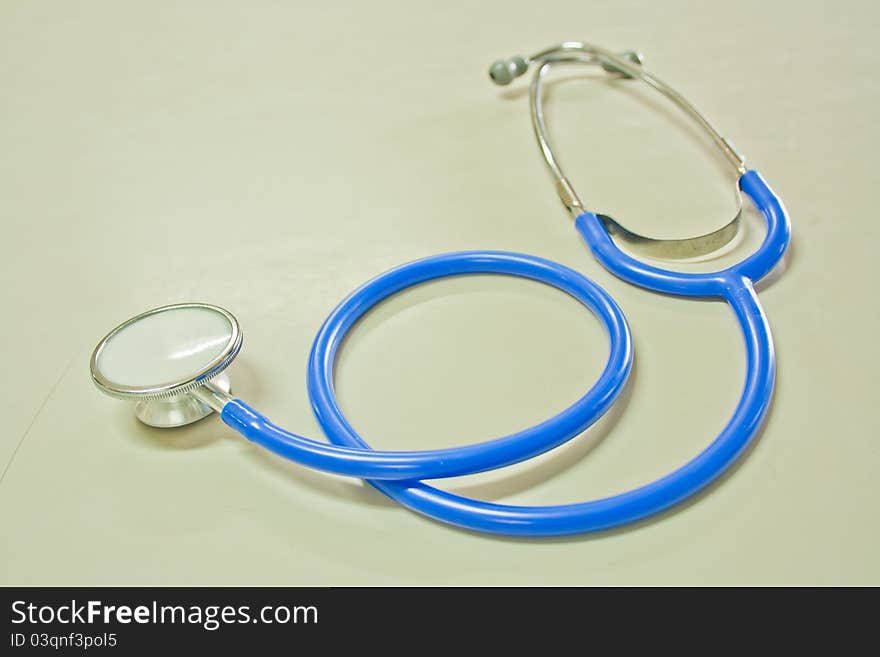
500, 72
504, 71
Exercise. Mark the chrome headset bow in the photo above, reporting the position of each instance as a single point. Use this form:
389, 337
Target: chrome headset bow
194, 343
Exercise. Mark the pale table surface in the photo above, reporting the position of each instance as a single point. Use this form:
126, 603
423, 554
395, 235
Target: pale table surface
269, 157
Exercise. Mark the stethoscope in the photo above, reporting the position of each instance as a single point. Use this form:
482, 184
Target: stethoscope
171, 360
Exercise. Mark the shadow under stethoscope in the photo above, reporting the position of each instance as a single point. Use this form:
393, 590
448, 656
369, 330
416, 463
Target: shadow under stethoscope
676, 509
557, 461
553, 463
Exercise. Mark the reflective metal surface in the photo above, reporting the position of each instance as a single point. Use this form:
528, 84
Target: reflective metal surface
180, 384
688, 248
214, 394
187, 398
181, 409
627, 64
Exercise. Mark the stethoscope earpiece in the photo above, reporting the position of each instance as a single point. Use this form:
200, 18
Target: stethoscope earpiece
505, 71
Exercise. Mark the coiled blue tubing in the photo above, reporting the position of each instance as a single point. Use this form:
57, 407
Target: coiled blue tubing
397, 474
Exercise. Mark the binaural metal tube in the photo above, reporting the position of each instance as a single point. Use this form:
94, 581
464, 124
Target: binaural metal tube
586, 53
627, 64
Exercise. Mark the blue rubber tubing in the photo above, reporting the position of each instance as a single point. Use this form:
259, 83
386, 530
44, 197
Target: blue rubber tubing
350, 455
734, 285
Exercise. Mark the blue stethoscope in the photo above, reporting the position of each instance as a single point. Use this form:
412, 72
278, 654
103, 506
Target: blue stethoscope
171, 360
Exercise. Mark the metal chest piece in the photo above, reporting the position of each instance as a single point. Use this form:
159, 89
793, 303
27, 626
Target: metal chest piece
170, 362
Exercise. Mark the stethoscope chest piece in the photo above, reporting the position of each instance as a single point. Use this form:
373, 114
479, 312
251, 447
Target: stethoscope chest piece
170, 361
